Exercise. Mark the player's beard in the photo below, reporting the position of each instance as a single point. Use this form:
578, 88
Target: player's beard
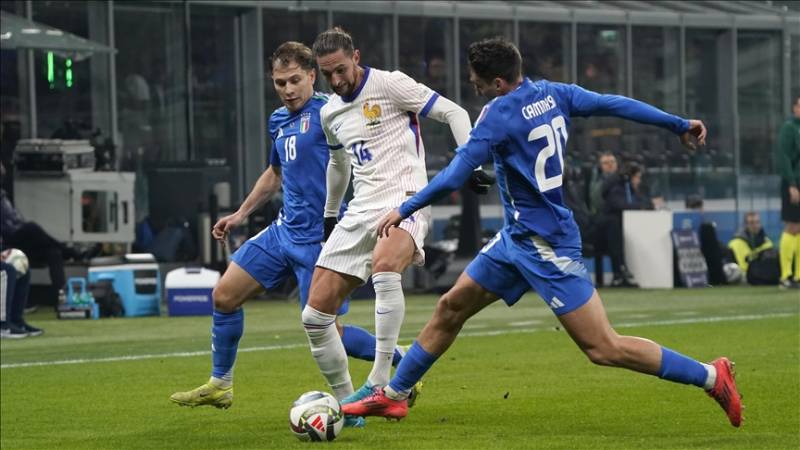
344, 89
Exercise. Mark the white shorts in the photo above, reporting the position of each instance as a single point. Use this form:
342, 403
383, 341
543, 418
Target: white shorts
350, 246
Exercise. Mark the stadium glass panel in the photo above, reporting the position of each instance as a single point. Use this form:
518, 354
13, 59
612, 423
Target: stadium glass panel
656, 80
709, 97
372, 35
63, 85
281, 25
469, 31
215, 87
601, 67
14, 6
151, 82
795, 68
545, 49
426, 54
13, 101
760, 98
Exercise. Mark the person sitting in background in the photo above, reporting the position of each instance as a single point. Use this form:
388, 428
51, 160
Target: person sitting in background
14, 288
749, 241
621, 193
34, 241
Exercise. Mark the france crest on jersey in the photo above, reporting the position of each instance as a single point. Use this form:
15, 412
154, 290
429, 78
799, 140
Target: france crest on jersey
299, 149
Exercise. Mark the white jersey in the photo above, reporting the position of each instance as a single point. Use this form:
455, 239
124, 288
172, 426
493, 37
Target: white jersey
378, 126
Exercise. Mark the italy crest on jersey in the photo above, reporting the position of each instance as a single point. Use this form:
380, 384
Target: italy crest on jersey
305, 122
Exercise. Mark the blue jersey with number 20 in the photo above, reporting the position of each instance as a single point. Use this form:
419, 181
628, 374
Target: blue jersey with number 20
525, 132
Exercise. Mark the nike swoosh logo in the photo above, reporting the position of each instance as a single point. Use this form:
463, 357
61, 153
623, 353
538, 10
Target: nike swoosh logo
385, 311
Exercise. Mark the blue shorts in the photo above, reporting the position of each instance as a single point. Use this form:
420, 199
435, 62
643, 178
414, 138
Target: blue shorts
509, 267
270, 258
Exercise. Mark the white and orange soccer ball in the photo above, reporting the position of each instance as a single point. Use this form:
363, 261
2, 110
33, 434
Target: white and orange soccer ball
316, 416
16, 258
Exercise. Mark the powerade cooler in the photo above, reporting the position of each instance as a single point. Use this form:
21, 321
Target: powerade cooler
189, 291
136, 279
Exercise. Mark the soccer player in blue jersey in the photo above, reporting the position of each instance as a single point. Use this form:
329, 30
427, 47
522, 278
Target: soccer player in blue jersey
290, 244
524, 130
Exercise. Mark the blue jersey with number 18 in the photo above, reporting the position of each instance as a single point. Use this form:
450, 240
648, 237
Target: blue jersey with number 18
526, 132
300, 151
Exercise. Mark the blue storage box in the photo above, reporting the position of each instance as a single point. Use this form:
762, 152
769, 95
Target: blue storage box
189, 291
137, 280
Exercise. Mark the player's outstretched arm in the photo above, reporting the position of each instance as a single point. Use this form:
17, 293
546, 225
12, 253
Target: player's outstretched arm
266, 186
448, 180
584, 102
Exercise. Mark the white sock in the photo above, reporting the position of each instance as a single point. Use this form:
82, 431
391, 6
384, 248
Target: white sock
328, 350
712, 376
225, 382
394, 395
390, 309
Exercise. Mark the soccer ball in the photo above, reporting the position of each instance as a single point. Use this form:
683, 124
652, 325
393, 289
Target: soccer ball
316, 416
733, 273
16, 258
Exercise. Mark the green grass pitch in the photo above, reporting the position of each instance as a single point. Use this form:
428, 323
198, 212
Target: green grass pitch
512, 380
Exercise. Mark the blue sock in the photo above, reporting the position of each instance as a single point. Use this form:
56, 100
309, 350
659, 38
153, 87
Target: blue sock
681, 369
358, 343
226, 331
411, 369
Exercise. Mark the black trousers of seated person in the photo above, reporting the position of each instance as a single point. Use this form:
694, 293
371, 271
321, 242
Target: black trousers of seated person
40, 248
609, 241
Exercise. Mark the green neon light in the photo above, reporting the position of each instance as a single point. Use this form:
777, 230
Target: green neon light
68, 76
50, 69
69, 62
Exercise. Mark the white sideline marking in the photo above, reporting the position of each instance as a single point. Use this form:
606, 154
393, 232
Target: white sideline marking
465, 334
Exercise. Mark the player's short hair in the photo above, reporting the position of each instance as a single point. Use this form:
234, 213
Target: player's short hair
293, 52
333, 40
495, 58
750, 214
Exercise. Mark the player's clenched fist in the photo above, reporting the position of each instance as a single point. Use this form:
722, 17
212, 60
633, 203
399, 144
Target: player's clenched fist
224, 226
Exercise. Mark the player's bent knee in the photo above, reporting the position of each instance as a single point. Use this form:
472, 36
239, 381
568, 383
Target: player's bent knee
224, 300
308, 316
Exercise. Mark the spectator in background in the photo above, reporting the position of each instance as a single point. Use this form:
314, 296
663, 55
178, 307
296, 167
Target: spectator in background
595, 230
621, 193
750, 241
606, 170
788, 162
14, 288
34, 241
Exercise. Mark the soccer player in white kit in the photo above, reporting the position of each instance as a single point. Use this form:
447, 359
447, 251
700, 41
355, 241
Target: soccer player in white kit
372, 129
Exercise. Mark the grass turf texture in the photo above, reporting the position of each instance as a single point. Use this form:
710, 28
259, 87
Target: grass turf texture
512, 380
